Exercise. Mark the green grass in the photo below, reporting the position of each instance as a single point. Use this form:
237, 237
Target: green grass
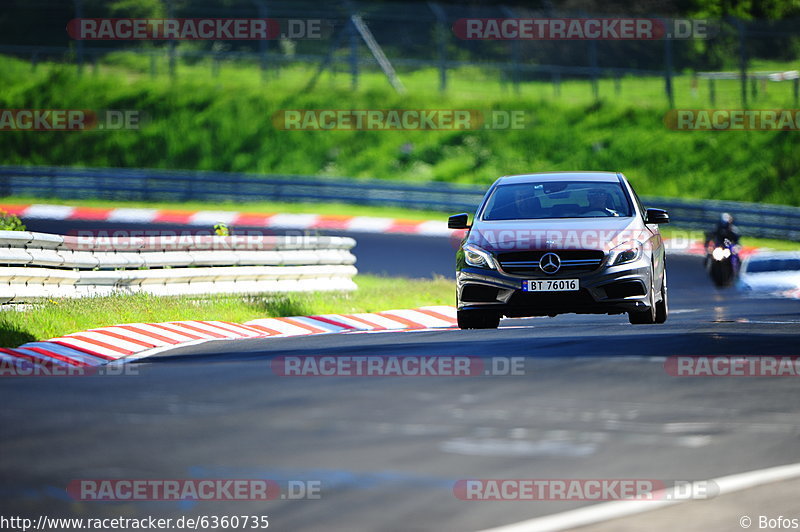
224, 123
57, 317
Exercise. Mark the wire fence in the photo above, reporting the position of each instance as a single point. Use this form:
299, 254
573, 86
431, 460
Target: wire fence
329, 37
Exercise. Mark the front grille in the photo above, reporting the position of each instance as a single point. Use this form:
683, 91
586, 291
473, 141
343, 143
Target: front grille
572, 260
479, 293
624, 289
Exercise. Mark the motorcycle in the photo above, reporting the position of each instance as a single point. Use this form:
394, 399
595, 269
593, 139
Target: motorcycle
722, 262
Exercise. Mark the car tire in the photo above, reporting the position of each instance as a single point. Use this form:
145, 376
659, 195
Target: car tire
662, 307
645, 317
477, 319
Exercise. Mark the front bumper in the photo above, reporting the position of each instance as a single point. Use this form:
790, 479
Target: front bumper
606, 290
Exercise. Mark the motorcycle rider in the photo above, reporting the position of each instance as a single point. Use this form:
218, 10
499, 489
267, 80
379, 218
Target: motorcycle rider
725, 229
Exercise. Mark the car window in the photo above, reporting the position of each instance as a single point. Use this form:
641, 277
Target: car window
773, 265
564, 199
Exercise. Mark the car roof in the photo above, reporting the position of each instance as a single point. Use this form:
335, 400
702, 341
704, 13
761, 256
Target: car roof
770, 255
603, 177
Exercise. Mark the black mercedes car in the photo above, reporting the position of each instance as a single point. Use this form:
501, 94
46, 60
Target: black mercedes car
560, 242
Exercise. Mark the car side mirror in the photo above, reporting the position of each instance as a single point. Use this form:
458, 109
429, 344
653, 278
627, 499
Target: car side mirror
656, 216
458, 221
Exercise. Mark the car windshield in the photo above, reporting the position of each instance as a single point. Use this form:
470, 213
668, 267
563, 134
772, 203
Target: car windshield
562, 199
774, 265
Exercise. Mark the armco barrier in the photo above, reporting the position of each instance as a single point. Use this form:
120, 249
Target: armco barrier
754, 219
37, 265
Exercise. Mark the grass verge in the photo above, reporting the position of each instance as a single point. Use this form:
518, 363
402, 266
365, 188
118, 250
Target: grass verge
58, 317
199, 122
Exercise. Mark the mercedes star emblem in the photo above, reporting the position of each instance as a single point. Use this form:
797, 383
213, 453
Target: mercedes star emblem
550, 263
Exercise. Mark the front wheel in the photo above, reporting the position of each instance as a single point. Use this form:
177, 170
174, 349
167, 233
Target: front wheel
477, 319
662, 307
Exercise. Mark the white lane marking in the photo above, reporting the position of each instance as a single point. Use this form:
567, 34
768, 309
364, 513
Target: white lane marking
434, 228
213, 217
50, 212
771, 322
683, 310
502, 447
616, 509
368, 224
132, 215
293, 221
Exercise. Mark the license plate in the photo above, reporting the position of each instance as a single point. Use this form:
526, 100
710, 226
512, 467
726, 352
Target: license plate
551, 285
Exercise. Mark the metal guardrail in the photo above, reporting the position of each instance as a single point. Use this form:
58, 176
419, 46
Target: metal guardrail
39, 265
172, 186
754, 219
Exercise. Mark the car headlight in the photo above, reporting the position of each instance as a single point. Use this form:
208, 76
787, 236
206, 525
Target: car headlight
626, 252
478, 257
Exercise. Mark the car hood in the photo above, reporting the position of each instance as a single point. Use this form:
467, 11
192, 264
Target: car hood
770, 281
557, 233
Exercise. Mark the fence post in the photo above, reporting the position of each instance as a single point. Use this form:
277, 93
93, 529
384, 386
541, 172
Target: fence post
593, 63
353, 35
742, 62
711, 92
668, 71
515, 77
441, 43
215, 64
171, 45
263, 44
79, 43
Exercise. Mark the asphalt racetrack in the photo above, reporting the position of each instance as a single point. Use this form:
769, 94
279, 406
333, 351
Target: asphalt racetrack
594, 401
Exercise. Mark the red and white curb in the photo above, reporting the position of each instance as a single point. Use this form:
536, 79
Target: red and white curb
332, 222
279, 221
124, 343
